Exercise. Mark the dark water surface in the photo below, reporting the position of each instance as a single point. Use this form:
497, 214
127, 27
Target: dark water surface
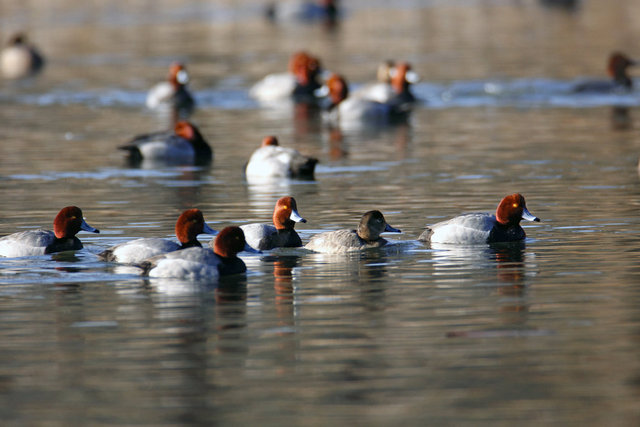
543, 332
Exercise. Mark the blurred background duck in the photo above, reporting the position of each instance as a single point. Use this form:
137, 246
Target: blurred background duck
358, 111
19, 58
183, 145
325, 11
393, 84
299, 84
273, 161
172, 93
617, 68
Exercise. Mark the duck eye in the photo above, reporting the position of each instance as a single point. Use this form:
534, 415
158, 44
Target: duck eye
285, 207
515, 205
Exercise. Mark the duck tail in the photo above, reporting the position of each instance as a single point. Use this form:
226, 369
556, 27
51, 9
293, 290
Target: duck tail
305, 169
426, 235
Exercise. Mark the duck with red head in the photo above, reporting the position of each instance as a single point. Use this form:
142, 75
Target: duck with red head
393, 85
185, 145
202, 263
226, 247
480, 228
274, 161
189, 225
299, 84
357, 111
617, 68
66, 225
279, 235
172, 93
19, 58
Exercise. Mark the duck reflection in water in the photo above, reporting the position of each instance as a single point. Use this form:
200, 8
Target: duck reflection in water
283, 279
621, 119
508, 259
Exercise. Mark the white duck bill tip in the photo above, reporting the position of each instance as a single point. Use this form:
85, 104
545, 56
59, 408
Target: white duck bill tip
322, 91
295, 216
528, 216
86, 227
182, 77
412, 77
208, 230
390, 229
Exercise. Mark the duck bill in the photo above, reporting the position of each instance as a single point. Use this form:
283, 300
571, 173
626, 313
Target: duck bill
86, 227
528, 216
412, 77
251, 250
390, 229
208, 230
322, 91
295, 216
182, 77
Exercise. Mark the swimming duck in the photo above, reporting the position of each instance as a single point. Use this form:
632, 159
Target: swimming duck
202, 263
393, 85
66, 225
351, 111
281, 233
617, 67
185, 145
19, 58
479, 228
300, 83
372, 224
189, 224
172, 93
272, 160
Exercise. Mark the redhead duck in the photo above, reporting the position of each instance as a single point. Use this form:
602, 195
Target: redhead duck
185, 145
393, 85
479, 228
202, 263
617, 67
172, 93
372, 224
299, 84
349, 111
19, 58
189, 224
281, 233
66, 225
272, 160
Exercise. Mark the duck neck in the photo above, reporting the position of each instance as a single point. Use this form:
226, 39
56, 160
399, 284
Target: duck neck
622, 79
190, 244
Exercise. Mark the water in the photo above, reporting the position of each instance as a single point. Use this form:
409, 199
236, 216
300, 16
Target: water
544, 332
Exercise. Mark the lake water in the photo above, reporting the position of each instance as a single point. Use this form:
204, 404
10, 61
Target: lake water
547, 332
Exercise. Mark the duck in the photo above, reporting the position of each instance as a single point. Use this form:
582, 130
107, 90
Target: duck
67, 223
481, 228
189, 224
273, 160
282, 233
184, 145
19, 58
393, 85
355, 111
617, 67
299, 84
202, 263
172, 93
366, 236
304, 11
